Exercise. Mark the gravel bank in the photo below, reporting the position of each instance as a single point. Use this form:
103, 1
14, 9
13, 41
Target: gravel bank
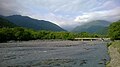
115, 57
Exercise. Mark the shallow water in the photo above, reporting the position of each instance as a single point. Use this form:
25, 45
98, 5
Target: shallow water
57, 54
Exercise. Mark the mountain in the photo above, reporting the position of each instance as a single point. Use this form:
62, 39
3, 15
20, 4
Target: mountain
27, 22
103, 30
97, 26
5, 23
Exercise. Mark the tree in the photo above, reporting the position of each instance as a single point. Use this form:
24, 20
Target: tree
114, 31
22, 33
84, 34
6, 34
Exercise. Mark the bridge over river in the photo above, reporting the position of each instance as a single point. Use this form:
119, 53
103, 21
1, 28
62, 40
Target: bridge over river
92, 39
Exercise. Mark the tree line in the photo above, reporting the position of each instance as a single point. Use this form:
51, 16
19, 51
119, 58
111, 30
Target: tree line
19, 33
114, 30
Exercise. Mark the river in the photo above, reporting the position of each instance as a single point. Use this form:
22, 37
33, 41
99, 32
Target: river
53, 54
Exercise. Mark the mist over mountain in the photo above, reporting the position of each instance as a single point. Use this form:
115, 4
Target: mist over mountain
97, 26
27, 22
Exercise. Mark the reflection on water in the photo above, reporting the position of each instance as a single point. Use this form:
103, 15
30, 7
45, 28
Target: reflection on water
75, 54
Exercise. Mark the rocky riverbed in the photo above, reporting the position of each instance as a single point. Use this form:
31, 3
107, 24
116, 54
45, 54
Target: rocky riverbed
53, 54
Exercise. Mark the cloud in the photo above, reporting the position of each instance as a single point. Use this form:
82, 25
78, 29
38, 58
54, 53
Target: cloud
110, 4
65, 13
110, 15
65, 22
8, 7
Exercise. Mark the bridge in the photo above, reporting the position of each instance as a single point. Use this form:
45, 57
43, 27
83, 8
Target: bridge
92, 39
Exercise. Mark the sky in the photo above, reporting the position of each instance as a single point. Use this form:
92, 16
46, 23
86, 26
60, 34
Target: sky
65, 13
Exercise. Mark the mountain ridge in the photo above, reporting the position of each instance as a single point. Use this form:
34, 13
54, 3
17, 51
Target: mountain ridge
93, 26
28, 22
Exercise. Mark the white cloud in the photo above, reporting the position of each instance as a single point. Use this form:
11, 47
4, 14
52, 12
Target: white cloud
110, 15
108, 5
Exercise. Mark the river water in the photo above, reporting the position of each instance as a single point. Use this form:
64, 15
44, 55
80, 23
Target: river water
53, 54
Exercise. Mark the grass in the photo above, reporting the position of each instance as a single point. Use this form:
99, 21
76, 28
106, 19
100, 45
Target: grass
114, 51
116, 44
108, 44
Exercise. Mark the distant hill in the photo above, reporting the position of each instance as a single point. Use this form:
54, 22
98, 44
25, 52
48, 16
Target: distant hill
97, 26
5, 23
27, 22
103, 30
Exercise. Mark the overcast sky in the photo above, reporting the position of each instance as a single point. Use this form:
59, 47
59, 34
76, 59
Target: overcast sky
65, 13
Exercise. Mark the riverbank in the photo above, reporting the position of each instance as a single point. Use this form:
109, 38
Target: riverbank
114, 51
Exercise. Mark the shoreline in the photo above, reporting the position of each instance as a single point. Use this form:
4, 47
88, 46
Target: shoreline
46, 43
114, 55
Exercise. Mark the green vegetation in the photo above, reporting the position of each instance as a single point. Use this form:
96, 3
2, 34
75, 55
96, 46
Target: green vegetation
114, 31
19, 33
6, 23
116, 44
108, 44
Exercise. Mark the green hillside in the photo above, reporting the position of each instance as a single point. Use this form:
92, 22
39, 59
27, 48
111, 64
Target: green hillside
98, 26
5, 23
28, 22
